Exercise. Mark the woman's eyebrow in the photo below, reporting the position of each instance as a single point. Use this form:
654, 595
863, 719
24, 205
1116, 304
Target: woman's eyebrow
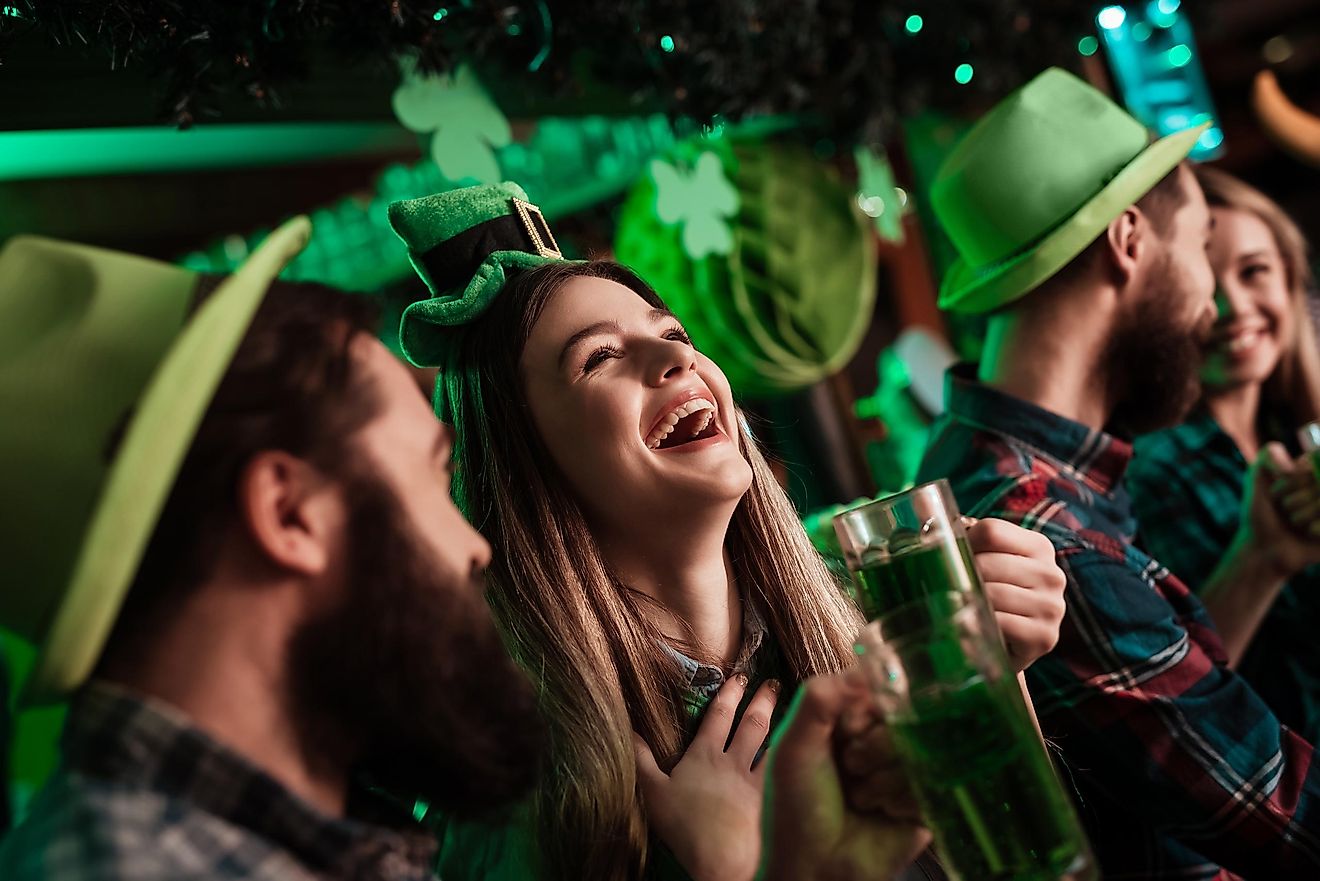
607, 327
589, 331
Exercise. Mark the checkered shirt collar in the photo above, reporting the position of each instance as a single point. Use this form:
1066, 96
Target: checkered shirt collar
1096, 458
117, 735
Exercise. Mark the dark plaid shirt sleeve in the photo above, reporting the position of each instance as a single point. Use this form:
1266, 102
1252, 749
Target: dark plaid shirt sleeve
1186, 485
1138, 698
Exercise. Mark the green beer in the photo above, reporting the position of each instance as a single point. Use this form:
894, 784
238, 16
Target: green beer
938, 671
910, 574
984, 783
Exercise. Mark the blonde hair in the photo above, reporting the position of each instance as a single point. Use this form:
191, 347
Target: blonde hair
1293, 389
598, 661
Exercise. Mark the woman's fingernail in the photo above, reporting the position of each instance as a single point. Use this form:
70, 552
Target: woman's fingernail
742, 679
773, 685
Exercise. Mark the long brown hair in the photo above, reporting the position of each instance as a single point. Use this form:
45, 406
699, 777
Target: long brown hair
581, 634
1292, 391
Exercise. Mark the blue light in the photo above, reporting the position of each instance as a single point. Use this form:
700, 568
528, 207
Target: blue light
1161, 13
1211, 138
1111, 18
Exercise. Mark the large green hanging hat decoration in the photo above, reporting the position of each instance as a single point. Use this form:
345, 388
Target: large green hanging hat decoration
779, 286
463, 244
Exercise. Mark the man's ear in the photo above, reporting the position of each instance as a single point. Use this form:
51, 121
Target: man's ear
1128, 236
289, 510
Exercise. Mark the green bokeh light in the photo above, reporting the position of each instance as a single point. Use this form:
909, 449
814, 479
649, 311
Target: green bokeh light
914, 24
963, 73
440, 14
1088, 45
667, 43
1180, 55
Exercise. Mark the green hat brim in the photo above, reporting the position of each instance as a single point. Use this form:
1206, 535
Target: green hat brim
139, 481
974, 290
420, 337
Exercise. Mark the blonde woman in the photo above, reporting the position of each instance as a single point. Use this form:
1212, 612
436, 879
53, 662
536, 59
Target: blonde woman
648, 571
1260, 381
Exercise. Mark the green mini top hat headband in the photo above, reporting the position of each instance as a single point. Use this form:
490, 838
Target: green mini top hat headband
463, 244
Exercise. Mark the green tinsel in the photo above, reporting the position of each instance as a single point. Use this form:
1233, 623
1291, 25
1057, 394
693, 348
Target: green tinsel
850, 64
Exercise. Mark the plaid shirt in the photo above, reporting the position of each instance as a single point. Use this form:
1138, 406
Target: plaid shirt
703, 681
144, 795
1187, 485
1181, 771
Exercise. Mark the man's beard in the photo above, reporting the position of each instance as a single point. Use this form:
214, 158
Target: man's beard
411, 670
1153, 361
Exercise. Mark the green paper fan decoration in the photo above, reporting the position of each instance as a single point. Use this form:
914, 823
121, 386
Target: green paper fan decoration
789, 303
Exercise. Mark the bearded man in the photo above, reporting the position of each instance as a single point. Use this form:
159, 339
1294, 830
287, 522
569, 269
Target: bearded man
217, 532
1085, 243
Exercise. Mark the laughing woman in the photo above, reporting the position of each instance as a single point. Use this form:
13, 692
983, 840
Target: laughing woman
1260, 381
649, 572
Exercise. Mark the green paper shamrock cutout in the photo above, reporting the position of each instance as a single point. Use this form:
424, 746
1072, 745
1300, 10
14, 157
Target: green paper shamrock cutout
701, 200
468, 126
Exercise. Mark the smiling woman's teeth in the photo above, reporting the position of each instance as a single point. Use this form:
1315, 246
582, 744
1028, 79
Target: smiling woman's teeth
667, 425
1243, 341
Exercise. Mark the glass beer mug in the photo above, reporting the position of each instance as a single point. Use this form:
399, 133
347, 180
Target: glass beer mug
937, 667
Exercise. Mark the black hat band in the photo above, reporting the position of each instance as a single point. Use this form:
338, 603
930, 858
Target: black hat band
452, 263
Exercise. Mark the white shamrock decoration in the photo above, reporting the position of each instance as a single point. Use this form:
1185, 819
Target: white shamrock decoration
701, 200
468, 126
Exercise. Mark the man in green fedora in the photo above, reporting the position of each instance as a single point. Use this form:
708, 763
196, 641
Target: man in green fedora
1084, 244
226, 526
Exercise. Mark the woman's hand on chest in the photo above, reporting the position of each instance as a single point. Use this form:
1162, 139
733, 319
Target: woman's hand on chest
707, 810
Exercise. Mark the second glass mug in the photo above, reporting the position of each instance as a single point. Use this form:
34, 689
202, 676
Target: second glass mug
938, 670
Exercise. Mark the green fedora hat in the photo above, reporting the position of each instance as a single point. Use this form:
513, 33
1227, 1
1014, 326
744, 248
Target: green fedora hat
463, 244
1035, 181
106, 371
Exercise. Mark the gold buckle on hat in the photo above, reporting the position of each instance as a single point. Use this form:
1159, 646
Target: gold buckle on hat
537, 229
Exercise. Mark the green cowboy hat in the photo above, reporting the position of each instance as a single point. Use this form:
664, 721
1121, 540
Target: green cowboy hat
463, 244
104, 379
1035, 181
